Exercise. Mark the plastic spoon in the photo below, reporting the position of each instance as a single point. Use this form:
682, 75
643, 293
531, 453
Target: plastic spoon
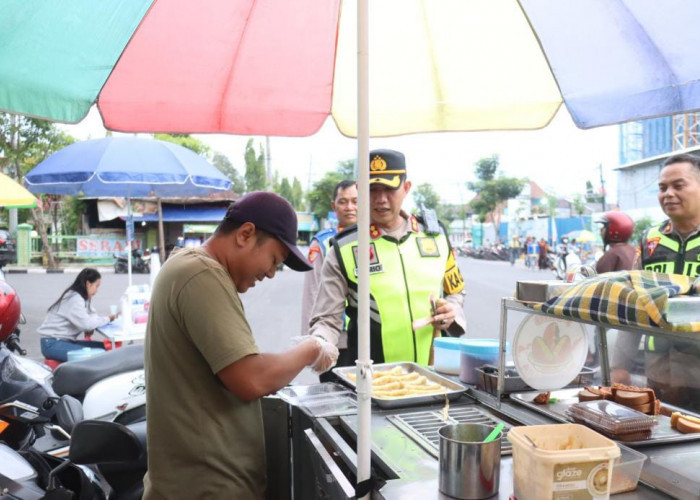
495, 432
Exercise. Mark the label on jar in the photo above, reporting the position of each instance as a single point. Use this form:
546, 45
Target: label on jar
580, 481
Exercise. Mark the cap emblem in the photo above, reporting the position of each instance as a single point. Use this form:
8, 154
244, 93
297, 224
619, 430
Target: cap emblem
378, 164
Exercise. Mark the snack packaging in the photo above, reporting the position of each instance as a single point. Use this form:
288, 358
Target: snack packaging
612, 419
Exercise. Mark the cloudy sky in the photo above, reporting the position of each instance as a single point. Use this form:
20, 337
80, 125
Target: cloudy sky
560, 157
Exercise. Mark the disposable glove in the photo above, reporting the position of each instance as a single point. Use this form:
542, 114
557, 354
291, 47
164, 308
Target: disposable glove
327, 357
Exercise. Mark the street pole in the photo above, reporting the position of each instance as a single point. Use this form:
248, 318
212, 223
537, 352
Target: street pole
602, 185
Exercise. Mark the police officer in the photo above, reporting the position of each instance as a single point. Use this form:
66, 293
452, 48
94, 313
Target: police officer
410, 261
345, 206
672, 368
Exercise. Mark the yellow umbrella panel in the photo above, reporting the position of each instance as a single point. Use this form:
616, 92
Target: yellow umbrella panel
12, 195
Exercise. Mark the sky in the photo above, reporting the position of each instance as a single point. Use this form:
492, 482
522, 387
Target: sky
560, 157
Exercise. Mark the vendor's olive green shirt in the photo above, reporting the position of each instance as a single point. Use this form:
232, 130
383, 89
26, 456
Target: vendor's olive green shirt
203, 442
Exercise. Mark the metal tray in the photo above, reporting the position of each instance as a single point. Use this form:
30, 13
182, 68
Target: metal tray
454, 390
661, 433
488, 379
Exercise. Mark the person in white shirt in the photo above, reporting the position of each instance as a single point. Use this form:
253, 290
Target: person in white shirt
71, 315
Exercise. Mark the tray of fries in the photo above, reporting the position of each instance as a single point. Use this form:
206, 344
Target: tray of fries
397, 385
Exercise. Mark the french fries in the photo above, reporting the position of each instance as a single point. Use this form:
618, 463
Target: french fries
396, 383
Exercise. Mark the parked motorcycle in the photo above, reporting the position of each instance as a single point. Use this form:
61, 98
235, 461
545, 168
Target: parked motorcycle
117, 452
140, 263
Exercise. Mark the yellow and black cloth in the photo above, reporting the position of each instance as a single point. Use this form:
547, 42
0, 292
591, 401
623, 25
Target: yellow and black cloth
635, 298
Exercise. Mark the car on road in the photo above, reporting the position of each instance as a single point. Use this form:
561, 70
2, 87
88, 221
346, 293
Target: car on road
8, 252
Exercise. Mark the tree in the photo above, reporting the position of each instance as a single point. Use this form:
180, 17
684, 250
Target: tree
425, 195
640, 225
297, 194
285, 191
25, 142
492, 192
187, 141
222, 162
254, 168
579, 206
591, 196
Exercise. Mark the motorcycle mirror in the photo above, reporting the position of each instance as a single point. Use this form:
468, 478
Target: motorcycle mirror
69, 412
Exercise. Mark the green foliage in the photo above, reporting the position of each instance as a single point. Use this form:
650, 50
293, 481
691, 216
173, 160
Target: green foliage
640, 225
579, 205
492, 192
591, 196
223, 163
297, 195
285, 191
486, 168
254, 168
185, 140
321, 195
425, 195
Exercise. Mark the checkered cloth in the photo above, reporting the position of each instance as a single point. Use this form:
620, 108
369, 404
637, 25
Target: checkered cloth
636, 298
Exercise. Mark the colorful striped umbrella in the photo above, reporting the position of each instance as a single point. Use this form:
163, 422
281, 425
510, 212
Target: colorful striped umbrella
12, 195
270, 67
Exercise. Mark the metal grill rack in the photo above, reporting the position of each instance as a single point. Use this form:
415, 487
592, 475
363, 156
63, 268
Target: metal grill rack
423, 426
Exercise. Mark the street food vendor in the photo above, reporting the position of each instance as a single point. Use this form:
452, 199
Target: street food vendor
204, 373
345, 206
410, 261
672, 368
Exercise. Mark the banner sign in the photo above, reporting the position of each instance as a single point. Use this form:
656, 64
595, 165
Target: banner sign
103, 247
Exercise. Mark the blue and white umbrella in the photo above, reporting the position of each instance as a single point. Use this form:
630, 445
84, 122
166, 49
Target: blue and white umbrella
126, 167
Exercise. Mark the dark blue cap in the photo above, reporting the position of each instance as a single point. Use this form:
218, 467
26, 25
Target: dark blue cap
274, 215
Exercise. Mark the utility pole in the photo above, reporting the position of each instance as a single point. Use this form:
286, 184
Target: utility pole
268, 166
602, 185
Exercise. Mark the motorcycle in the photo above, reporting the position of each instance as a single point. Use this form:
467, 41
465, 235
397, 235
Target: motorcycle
115, 451
559, 266
140, 263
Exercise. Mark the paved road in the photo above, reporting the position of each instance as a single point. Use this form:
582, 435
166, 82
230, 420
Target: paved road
273, 307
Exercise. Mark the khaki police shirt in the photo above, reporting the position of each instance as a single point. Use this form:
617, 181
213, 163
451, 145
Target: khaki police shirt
327, 313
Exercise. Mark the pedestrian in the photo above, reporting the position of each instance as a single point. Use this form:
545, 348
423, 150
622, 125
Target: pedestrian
543, 253
671, 367
410, 262
72, 315
532, 252
514, 249
204, 373
345, 206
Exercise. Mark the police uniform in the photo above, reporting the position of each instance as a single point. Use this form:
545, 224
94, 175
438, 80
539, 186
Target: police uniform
672, 367
320, 244
408, 264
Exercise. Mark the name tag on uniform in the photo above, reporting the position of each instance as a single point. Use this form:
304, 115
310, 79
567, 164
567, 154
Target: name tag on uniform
374, 265
428, 247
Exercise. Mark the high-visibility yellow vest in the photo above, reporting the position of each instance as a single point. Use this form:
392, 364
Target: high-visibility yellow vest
403, 275
663, 252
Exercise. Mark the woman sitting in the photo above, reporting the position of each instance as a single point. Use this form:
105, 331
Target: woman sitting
71, 315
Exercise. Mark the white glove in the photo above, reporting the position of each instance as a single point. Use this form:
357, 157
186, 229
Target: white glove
327, 356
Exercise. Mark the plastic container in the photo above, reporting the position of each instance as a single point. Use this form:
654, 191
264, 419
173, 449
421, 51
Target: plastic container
570, 459
475, 353
626, 470
84, 353
447, 351
610, 418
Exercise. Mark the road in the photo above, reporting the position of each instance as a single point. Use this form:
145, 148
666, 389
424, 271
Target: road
273, 307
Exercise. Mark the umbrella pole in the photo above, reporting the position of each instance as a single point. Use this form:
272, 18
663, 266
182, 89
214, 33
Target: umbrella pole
363, 363
161, 233
129, 221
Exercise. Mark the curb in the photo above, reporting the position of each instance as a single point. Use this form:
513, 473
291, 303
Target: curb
66, 270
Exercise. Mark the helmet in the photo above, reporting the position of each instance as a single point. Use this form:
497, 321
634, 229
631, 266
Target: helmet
9, 310
618, 227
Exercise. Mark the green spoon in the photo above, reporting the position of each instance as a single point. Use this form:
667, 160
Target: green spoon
495, 432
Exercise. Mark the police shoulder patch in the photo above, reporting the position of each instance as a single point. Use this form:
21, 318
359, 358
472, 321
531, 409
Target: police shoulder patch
427, 247
314, 252
453, 282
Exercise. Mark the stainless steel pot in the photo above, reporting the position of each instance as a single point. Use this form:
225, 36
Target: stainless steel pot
469, 468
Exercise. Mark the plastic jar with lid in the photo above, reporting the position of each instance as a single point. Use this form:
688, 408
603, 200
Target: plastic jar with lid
475, 353
446, 354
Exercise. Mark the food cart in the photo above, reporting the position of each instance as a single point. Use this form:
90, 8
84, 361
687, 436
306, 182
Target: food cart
318, 458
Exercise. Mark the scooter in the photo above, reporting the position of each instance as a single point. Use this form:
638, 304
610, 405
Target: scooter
117, 452
139, 263
559, 268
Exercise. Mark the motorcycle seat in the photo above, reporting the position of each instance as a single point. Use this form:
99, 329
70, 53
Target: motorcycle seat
76, 377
